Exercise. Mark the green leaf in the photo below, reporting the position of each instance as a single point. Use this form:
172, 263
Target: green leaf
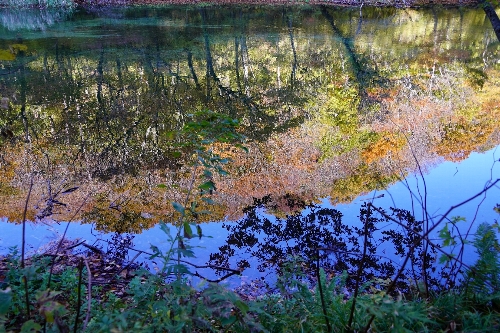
164, 227
207, 186
176, 154
456, 219
202, 160
207, 174
228, 321
444, 258
30, 327
199, 231
222, 172
188, 233
161, 186
156, 251
245, 149
178, 207
242, 306
208, 201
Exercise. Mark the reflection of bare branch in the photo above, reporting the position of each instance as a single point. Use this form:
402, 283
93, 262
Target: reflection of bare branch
24, 222
425, 237
59, 245
294, 51
235, 271
421, 236
218, 280
329, 249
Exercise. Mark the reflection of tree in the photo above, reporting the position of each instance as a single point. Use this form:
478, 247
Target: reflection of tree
33, 19
111, 116
363, 179
462, 137
243, 102
319, 236
492, 16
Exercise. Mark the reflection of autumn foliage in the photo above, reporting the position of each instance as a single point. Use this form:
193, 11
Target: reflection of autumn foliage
113, 134
476, 127
287, 163
387, 144
364, 179
464, 136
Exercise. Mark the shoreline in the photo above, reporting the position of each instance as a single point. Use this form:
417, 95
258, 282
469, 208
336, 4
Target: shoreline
330, 3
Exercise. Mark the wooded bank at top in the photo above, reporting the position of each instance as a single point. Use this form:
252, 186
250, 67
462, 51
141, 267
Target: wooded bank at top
385, 3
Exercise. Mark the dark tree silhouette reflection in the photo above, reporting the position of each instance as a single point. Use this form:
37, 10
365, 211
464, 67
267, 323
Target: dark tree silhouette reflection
370, 249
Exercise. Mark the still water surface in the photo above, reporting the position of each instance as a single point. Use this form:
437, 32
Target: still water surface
338, 106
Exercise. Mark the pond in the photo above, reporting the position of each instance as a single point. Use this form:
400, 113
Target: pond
323, 108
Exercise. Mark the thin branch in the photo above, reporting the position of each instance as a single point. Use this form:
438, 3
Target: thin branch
235, 271
462, 203
129, 263
23, 244
59, 245
218, 280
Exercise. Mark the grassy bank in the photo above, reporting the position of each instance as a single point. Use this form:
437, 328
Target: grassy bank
63, 290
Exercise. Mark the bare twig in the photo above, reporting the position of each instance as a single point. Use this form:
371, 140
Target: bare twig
23, 244
92, 248
63, 237
129, 263
461, 204
218, 280
235, 271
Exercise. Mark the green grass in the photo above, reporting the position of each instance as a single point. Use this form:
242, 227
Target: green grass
149, 304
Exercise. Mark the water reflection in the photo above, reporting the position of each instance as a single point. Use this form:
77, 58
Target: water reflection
33, 19
333, 104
